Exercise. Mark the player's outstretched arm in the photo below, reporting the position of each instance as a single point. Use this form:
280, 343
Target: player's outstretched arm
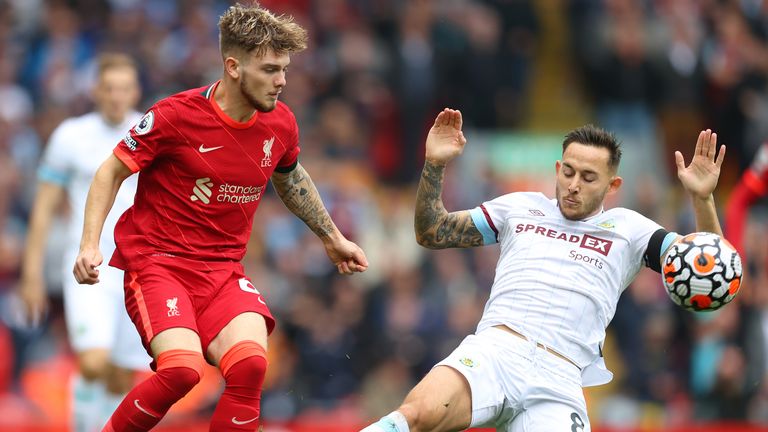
101, 196
299, 194
435, 227
700, 177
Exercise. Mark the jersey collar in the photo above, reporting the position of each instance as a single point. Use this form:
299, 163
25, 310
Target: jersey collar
229, 121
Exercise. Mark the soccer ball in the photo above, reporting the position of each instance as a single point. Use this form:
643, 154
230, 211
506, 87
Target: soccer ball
702, 272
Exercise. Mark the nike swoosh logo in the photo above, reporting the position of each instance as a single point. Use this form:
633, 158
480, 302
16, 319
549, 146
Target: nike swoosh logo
204, 149
136, 403
238, 422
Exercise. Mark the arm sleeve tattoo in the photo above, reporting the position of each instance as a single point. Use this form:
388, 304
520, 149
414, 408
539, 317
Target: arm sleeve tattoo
435, 227
300, 196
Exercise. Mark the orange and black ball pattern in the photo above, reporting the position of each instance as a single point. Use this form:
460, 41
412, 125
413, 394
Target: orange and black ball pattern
702, 272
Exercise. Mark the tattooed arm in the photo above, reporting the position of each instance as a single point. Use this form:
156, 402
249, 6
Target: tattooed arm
300, 196
435, 227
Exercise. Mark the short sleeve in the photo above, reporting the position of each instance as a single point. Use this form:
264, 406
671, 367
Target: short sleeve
291, 154
484, 224
491, 217
643, 230
56, 165
149, 138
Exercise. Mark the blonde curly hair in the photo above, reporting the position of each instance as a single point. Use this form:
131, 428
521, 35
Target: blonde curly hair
254, 29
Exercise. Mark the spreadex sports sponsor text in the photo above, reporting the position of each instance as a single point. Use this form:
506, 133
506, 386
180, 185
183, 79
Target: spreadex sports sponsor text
585, 241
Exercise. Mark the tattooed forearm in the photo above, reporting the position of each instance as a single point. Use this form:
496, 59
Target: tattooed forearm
429, 204
435, 227
301, 197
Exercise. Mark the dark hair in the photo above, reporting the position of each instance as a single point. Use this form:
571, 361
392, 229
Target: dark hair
596, 137
253, 28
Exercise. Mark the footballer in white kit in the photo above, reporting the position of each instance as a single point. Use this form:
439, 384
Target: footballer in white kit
95, 314
108, 349
563, 264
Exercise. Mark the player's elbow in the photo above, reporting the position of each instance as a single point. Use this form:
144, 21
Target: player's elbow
426, 240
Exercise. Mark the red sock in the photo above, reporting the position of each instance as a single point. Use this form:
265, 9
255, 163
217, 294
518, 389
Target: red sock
243, 367
143, 407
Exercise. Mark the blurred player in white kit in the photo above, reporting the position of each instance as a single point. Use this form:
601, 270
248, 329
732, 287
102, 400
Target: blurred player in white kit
106, 344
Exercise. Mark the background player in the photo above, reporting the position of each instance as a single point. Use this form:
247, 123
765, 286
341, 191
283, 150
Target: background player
100, 331
752, 186
564, 263
205, 156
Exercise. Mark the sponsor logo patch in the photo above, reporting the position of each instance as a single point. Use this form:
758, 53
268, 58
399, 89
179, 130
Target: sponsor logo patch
130, 142
596, 244
585, 241
145, 124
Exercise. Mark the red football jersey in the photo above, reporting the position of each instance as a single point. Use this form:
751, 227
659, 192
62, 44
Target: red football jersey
752, 186
202, 178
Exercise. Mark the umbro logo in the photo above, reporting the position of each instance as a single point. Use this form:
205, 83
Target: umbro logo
536, 212
202, 190
204, 149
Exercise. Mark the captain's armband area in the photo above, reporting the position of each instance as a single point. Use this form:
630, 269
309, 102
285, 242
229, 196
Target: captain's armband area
660, 241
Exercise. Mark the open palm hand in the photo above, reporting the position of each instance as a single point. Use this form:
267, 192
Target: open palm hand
445, 140
700, 177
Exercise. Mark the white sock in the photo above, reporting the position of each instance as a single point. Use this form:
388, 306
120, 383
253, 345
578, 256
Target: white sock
87, 398
109, 404
392, 422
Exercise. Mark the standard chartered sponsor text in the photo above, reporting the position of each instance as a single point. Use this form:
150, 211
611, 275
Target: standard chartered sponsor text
237, 194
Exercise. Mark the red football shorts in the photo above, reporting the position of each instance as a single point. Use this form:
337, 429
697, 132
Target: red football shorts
169, 292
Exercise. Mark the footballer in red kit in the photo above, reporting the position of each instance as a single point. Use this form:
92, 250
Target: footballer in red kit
205, 171
193, 160
205, 157
752, 186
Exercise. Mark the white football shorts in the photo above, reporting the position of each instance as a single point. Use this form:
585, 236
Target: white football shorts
96, 318
518, 386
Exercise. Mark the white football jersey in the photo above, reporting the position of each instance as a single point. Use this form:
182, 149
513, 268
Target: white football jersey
75, 151
558, 281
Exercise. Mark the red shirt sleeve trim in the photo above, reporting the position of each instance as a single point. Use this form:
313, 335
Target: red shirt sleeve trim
127, 159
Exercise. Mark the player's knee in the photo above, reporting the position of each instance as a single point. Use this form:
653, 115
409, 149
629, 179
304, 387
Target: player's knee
181, 370
421, 415
180, 379
244, 367
249, 368
93, 364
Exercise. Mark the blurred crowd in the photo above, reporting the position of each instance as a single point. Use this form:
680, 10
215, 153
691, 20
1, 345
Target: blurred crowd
654, 72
